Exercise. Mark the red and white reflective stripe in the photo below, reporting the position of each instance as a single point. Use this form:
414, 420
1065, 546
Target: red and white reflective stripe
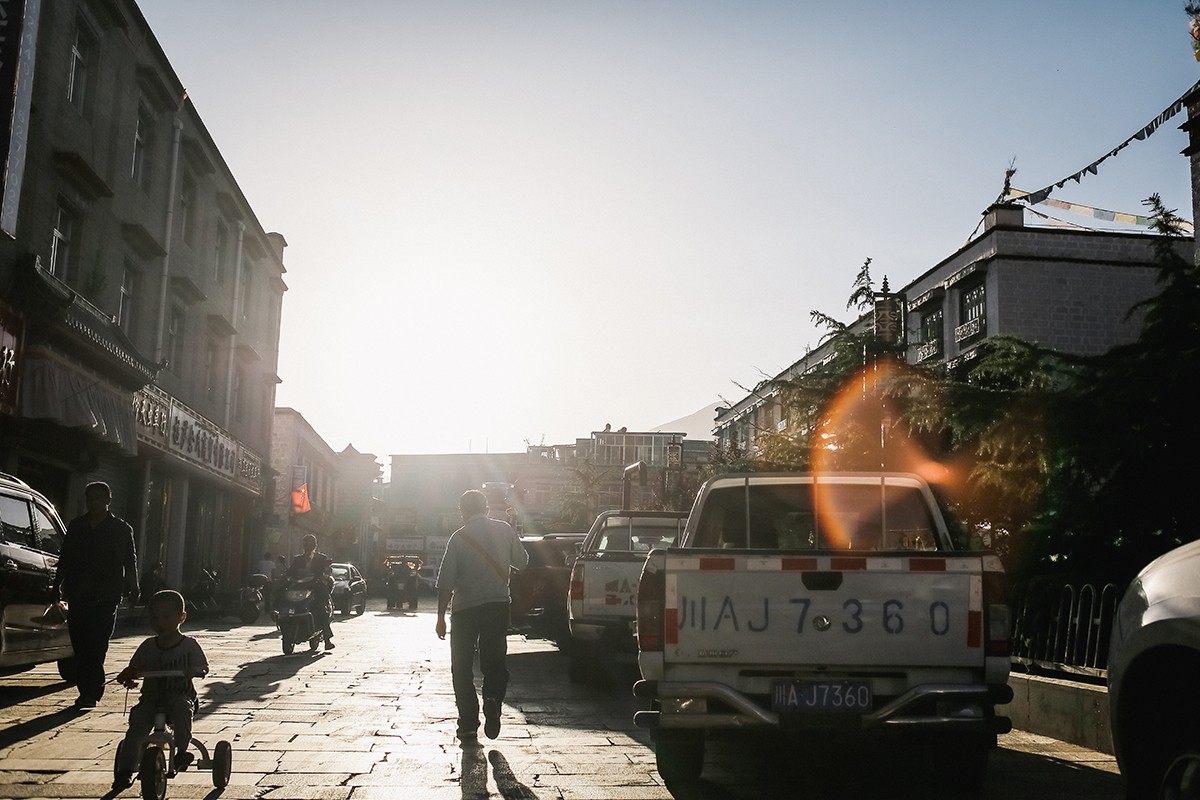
824, 563
975, 612
671, 609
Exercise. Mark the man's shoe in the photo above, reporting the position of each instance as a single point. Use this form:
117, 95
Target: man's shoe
329, 645
183, 761
122, 780
85, 702
491, 717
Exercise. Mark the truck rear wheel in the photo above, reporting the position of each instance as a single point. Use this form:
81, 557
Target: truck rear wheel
961, 761
679, 756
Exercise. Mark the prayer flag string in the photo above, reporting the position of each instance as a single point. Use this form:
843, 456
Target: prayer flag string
1146, 131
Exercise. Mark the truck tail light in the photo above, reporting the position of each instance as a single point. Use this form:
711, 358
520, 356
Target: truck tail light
651, 607
576, 588
995, 608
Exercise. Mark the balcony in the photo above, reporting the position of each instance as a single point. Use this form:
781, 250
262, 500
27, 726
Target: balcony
969, 330
928, 350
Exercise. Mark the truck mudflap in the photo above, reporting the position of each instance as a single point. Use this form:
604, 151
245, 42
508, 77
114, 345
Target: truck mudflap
907, 710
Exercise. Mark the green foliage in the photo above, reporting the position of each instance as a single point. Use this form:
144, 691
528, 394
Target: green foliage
1120, 488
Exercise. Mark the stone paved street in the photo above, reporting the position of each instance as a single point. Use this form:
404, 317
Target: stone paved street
375, 719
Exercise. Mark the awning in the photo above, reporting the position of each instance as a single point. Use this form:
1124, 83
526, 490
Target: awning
53, 388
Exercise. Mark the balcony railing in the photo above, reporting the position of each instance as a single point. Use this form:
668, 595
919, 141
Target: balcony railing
928, 350
969, 329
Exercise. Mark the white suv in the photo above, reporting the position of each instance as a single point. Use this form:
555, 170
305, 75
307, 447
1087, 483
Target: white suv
1153, 671
31, 536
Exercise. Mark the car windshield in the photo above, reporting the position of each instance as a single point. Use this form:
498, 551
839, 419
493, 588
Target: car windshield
639, 534
341, 572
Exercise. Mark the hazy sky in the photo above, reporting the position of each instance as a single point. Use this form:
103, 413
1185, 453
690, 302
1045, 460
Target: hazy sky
519, 221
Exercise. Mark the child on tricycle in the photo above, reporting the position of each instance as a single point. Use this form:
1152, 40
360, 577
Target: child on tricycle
168, 661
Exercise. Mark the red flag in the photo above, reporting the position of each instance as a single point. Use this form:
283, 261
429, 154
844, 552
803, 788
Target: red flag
300, 504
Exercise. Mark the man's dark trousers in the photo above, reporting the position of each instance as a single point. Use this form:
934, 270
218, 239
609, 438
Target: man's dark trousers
91, 626
487, 627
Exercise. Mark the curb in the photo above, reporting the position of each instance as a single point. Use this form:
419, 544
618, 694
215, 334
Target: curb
1065, 710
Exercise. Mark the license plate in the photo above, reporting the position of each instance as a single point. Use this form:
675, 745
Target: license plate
842, 697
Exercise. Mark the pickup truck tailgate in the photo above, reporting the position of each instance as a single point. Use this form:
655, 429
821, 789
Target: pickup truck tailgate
841, 609
611, 582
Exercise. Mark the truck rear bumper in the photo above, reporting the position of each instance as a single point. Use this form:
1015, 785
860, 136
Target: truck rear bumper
911, 709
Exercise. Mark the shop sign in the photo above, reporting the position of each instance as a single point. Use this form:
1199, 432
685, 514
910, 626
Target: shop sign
197, 440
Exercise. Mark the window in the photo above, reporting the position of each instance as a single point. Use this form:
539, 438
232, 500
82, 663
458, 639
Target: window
143, 141
174, 348
125, 310
16, 525
931, 326
49, 534
247, 287
220, 249
212, 358
61, 239
187, 209
83, 50
239, 401
972, 303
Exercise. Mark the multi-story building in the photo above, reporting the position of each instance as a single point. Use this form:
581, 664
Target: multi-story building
306, 487
1066, 290
140, 296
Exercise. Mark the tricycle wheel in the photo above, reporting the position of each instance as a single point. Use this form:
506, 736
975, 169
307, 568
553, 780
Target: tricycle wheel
117, 760
288, 645
249, 614
154, 774
222, 764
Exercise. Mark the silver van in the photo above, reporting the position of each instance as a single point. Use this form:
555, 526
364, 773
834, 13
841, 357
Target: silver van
31, 537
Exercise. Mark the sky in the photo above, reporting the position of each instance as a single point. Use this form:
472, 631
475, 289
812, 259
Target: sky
510, 223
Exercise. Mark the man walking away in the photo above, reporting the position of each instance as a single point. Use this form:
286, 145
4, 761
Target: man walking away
97, 565
474, 574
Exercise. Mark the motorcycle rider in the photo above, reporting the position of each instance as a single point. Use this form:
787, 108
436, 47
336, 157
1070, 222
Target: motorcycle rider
316, 565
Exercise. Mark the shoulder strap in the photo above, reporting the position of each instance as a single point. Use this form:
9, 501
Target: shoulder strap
500, 571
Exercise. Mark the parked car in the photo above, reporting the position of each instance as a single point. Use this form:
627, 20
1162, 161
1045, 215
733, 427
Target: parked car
539, 592
349, 589
31, 537
1153, 663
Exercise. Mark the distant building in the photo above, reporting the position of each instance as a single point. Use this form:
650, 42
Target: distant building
1067, 290
540, 485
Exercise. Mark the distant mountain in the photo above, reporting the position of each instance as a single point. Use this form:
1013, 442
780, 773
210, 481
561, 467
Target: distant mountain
698, 425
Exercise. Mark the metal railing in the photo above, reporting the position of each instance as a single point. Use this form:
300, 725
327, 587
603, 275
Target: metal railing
1062, 628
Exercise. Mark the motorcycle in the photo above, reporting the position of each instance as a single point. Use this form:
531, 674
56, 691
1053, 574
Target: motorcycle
203, 594
252, 602
304, 610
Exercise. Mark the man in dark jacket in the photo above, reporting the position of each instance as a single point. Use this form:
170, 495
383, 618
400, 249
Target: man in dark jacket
316, 565
97, 566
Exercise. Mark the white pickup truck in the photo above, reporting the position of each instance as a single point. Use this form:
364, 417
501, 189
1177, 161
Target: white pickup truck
832, 603
602, 599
